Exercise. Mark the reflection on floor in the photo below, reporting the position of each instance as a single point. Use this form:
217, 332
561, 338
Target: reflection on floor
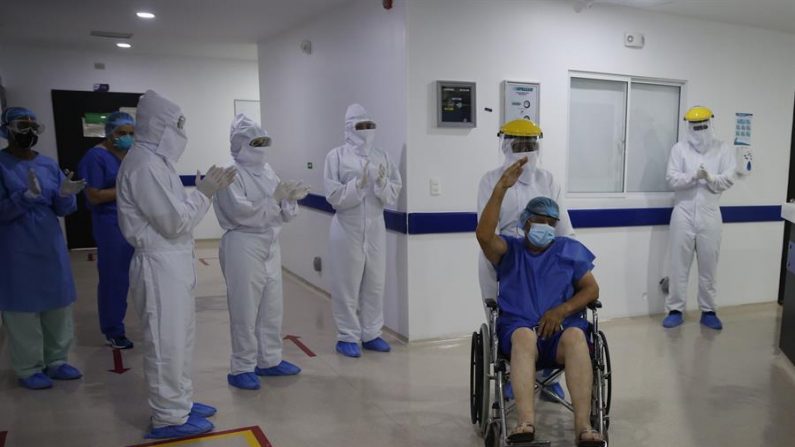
684, 387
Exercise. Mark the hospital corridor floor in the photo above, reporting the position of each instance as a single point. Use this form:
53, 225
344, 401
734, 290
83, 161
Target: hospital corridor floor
684, 387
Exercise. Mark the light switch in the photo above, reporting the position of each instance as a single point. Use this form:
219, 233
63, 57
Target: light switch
436, 187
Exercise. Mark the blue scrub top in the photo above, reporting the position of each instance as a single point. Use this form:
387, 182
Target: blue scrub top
531, 284
36, 274
100, 168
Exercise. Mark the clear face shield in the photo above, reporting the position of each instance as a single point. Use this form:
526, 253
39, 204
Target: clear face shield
515, 148
700, 134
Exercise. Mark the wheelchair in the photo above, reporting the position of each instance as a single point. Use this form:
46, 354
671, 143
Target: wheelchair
490, 373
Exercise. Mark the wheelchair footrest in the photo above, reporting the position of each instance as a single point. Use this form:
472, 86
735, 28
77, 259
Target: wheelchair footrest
535, 443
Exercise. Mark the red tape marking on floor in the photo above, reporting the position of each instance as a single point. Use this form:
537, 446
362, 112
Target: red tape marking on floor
255, 431
301, 345
118, 363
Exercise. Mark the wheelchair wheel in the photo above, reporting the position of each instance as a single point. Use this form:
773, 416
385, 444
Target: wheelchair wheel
485, 379
475, 372
603, 380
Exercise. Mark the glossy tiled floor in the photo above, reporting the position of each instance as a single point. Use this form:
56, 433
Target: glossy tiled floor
685, 387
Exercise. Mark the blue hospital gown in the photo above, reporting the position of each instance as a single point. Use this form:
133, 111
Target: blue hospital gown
36, 275
531, 284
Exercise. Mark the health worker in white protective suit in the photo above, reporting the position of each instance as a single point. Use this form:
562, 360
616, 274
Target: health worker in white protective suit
359, 180
699, 170
518, 139
252, 211
157, 216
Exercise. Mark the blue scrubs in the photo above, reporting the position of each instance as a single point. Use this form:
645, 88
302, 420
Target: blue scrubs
100, 167
531, 284
36, 275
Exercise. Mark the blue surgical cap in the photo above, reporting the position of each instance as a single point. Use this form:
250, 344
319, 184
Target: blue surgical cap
542, 206
12, 113
116, 120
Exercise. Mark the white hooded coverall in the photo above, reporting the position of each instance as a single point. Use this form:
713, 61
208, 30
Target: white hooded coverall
357, 237
249, 253
157, 216
696, 218
533, 182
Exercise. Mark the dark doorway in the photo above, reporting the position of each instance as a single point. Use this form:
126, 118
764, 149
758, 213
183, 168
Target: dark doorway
68, 109
787, 225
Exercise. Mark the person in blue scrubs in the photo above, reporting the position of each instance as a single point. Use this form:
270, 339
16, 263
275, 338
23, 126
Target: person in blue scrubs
99, 167
545, 285
36, 284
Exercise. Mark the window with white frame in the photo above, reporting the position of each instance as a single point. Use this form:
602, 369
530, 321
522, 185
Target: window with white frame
621, 130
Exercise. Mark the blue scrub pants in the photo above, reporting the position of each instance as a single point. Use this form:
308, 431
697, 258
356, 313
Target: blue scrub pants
113, 263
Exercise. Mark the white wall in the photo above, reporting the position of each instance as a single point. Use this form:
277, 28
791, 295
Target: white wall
358, 55
488, 42
204, 88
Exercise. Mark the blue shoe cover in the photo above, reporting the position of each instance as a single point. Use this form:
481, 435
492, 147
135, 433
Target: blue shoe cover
673, 319
37, 381
507, 391
284, 368
64, 371
556, 389
202, 410
377, 344
348, 349
195, 426
244, 381
710, 320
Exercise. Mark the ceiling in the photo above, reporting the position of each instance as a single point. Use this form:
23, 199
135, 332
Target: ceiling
208, 28
776, 15
230, 29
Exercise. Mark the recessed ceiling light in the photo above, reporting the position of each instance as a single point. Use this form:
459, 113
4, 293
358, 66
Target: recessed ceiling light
145, 15
123, 45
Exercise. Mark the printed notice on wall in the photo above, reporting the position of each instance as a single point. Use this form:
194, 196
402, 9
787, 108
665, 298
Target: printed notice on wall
742, 129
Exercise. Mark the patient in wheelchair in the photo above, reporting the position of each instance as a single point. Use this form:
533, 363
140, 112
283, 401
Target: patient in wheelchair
545, 286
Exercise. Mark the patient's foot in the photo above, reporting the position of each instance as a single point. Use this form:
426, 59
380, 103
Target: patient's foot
590, 437
523, 432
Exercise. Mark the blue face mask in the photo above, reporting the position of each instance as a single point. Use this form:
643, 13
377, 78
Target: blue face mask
124, 142
540, 235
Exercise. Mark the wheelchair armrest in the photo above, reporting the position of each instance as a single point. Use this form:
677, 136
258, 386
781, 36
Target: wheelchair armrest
595, 305
491, 303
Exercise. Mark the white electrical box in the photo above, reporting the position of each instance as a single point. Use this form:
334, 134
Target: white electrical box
521, 100
634, 40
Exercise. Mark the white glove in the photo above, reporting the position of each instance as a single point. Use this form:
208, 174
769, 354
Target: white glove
702, 174
298, 191
34, 187
362, 183
282, 191
381, 180
70, 187
215, 180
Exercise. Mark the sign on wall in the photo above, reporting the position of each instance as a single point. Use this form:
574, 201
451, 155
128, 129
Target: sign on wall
455, 104
521, 100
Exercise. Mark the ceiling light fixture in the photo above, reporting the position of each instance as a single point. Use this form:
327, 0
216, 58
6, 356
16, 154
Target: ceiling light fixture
123, 45
145, 15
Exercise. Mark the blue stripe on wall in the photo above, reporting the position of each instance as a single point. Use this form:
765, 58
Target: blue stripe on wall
465, 222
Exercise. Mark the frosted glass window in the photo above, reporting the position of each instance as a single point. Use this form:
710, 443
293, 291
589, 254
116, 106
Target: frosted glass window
653, 130
596, 135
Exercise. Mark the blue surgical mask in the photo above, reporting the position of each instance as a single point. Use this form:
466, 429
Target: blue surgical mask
124, 142
540, 235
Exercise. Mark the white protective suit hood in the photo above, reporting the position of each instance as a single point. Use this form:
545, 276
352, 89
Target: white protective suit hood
511, 158
360, 140
159, 126
243, 130
700, 140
